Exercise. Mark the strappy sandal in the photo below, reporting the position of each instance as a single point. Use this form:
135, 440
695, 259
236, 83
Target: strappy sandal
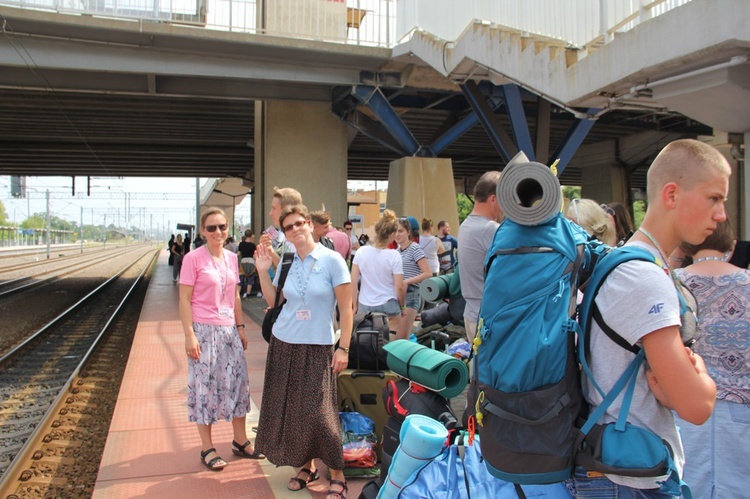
211, 465
341, 494
239, 450
311, 477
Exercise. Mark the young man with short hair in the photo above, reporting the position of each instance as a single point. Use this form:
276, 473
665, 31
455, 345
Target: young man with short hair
450, 243
687, 187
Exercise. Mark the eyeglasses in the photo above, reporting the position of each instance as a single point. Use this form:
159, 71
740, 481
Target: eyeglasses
347, 228
212, 228
609, 211
295, 225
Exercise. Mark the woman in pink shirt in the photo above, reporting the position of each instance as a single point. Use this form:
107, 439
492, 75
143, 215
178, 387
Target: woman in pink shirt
211, 311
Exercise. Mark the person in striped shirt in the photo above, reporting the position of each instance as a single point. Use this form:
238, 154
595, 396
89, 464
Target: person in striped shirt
416, 269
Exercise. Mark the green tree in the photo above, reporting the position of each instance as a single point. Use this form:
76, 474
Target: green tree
35, 221
639, 211
465, 205
571, 192
3, 215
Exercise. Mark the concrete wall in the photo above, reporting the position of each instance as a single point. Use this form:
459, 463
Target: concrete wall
423, 188
300, 145
323, 19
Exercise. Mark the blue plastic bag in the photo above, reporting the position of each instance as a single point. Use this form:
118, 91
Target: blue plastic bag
447, 476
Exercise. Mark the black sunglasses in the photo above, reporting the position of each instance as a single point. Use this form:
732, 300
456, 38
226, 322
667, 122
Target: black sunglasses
297, 225
212, 228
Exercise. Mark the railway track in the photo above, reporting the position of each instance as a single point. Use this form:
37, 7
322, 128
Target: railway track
46, 384
46, 275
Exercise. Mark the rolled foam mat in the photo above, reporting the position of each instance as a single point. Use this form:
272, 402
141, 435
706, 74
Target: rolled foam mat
436, 288
529, 193
422, 439
435, 370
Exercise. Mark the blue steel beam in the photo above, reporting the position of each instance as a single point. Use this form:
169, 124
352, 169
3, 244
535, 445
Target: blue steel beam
491, 124
517, 116
573, 140
372, 129
450, 136
374, 99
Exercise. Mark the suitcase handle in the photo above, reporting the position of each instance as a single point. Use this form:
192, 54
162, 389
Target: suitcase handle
374, 374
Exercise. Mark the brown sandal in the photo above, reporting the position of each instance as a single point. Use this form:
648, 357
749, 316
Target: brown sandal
341, 494
311, 477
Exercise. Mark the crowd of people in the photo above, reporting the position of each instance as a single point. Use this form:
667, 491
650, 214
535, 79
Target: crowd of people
684, 226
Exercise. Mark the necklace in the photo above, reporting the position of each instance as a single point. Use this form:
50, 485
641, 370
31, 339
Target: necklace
653, 240
302, 286
714, 258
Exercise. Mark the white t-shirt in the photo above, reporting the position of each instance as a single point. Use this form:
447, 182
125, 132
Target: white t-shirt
429, 245
636, 299
354, 241
377, 267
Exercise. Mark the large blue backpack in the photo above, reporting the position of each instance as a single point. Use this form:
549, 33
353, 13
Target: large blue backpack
527, 391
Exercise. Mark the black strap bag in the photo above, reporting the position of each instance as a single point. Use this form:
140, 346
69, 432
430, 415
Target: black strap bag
273, 313
369, 334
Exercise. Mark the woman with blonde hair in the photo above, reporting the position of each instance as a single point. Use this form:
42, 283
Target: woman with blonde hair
381, 270
591, 216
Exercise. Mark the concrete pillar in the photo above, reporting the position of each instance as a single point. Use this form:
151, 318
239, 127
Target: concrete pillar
423, 188
603, 179
304, 146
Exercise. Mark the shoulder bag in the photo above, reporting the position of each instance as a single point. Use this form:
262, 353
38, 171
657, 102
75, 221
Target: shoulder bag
273, 313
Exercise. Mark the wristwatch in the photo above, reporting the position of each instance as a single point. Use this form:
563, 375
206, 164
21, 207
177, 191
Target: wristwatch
346, 350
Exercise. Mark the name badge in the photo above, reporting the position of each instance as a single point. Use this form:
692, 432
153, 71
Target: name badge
304, 315
224, 312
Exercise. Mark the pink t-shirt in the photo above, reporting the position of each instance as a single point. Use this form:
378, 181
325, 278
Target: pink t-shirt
214, 286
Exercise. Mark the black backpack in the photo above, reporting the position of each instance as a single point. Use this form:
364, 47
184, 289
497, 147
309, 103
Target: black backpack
369, 333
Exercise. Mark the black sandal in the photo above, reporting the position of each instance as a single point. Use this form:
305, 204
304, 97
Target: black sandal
239, 450
211, 465
341, 494
311, 477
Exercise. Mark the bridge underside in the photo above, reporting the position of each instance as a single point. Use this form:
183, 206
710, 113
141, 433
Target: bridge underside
95, 134
93, 97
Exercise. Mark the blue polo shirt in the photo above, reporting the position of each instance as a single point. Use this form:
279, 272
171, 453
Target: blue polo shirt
307, 316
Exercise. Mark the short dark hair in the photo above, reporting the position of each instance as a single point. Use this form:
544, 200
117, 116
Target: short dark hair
441, 224
348, 223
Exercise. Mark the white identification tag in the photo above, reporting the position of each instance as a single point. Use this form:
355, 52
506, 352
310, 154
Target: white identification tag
304, 315
224, 312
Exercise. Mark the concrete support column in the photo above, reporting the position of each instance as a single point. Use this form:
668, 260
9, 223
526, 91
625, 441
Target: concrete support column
300, 145
423, 188
603, 179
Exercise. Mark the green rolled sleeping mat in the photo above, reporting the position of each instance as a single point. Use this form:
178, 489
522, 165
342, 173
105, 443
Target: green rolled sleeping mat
435, 370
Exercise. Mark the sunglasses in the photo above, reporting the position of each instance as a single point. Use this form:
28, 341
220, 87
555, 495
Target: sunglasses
347, 228
609, 211
295, 225
212, 228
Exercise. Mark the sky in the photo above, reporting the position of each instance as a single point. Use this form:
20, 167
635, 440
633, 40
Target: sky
152, 204
130, 201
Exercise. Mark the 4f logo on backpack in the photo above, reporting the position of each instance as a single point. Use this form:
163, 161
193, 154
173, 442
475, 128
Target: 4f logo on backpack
656, 309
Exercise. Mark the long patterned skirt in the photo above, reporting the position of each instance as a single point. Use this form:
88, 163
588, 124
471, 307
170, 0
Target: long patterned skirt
218, 383
299, 418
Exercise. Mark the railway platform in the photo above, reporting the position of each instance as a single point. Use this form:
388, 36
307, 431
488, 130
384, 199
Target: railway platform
152, 450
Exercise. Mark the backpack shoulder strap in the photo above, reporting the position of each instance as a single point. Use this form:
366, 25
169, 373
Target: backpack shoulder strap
589, 310
286, 263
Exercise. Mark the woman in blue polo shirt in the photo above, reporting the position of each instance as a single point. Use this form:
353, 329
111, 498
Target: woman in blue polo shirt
299, 418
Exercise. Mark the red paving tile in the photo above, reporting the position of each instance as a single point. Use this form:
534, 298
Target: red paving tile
152, 451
